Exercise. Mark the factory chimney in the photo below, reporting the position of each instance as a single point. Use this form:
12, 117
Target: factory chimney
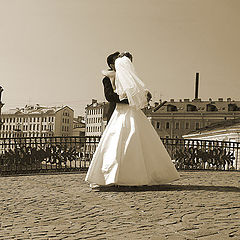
196, 85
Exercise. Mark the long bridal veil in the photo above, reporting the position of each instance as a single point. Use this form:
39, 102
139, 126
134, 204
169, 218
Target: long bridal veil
128, 84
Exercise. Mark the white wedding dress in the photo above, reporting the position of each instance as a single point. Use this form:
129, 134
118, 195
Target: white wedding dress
130, 152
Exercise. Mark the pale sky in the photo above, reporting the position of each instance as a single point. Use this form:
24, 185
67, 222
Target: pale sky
52, 51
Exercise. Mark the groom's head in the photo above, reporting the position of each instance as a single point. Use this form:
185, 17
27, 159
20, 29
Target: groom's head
111, 59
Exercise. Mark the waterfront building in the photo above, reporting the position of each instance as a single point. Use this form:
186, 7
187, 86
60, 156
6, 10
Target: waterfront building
95, 123
95, 118
37, 121
177, 118
174, 119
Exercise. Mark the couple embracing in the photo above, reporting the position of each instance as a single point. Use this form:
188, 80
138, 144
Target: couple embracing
130, 152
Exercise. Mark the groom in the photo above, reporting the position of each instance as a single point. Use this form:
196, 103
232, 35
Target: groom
109, 93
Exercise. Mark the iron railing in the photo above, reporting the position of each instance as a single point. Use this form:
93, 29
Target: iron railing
41, 154
44, 154
203, 154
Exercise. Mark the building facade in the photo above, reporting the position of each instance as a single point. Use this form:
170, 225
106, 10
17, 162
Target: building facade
95, 118
79, 126
228, 130
178, 118
37, 121
95, 123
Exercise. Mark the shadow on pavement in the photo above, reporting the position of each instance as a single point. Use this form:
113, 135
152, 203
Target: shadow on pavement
167, 188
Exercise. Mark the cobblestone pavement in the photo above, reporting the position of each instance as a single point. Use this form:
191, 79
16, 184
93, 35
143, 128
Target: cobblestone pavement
201, 205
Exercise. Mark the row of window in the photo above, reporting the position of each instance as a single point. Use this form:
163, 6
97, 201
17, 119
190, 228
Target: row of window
29, 127
65, 128
95, 111
94, 120
27, 119
66, 114
94, 129
209, 108
167, 136
177, 125
37, 134
78, 125
65, 120
91, 148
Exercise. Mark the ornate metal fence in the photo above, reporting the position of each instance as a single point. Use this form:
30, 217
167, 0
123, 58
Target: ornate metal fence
203, 154
43, 154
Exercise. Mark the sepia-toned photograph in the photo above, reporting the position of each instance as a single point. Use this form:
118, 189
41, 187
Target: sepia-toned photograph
120, 119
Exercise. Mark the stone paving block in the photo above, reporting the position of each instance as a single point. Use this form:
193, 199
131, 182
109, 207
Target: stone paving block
158, 237
201, 205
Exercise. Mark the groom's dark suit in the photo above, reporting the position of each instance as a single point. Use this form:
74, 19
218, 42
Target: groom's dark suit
111, 97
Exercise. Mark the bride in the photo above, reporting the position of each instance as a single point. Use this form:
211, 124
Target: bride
130, 152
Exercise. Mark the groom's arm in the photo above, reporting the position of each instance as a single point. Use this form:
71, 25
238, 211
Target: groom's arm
110, 95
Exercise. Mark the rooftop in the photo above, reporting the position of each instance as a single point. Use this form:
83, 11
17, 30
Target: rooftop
198, 105
32, 109
226, 124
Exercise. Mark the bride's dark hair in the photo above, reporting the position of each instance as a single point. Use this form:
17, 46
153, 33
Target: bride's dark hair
127, 54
